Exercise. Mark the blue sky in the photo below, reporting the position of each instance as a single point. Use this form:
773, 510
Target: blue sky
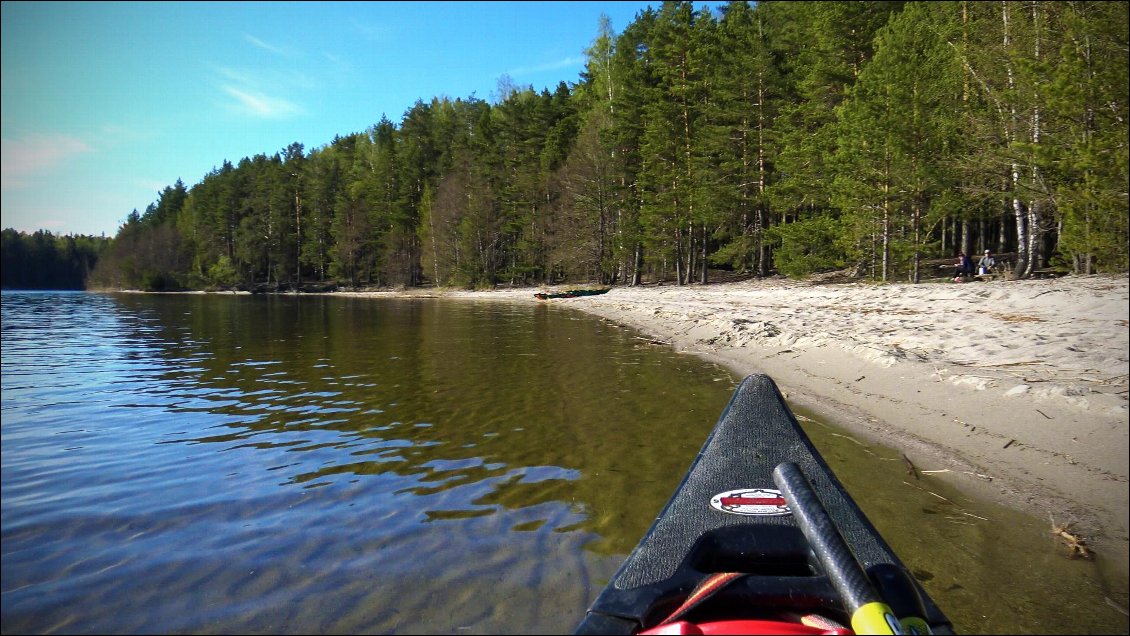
106, 104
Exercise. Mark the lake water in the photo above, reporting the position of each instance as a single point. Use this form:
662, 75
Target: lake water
282, 464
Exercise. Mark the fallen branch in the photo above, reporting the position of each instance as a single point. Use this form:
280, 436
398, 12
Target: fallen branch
1012, 364
967, 472
1117, 377
1116, 606
930, 492
1074, 542
910, 468
850, 438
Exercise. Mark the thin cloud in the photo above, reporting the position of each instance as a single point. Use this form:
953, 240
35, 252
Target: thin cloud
270, 48
370, 32
236, 75
258, 78
23, 159
337, 61
255, 91
51, 225
261, 105
549, 66
151, 185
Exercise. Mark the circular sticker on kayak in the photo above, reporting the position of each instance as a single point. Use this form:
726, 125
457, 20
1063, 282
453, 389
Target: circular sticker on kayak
764, 502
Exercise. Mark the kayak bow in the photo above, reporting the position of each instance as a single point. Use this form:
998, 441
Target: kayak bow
761, 537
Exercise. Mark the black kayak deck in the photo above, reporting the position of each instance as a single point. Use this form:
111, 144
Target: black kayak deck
692, 539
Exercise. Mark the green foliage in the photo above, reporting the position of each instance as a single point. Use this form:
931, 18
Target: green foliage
782, 135
222, 273
158, 282
47, 261
1089, 159
809, 246
896, 135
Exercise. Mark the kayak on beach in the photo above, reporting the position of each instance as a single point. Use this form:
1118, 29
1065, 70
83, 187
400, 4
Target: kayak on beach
571, 293
761, 538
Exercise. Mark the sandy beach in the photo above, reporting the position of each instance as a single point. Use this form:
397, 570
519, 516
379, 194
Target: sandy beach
1015, 391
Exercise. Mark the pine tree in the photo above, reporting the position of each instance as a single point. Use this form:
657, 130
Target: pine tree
671, 179
1086, 115
747, 96
633, 71
896, 132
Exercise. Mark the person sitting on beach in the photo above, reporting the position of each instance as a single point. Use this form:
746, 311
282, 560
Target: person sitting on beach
987, 263
964, 267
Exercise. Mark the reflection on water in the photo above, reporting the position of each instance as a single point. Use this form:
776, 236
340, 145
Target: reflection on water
215, 464
264, 464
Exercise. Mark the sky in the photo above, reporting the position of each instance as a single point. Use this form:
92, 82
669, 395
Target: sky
105, 104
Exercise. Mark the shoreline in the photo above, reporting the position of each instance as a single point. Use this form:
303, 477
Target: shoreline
1015, 390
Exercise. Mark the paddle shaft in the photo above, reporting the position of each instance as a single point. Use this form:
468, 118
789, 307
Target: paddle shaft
869, 615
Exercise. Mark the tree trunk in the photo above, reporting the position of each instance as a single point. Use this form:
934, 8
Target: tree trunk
1036, 206
297, 238
703, 258
679, 254
916, 216
886, 238
1023, 268
637, 264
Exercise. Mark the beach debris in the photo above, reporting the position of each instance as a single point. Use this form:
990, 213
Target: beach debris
956, 508
929, 492
1116, 606
1010, 443
856, 442
967, 472
1044, 414
910, 468
1076, 543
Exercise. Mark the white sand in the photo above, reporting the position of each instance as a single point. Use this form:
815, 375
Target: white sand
1024, 382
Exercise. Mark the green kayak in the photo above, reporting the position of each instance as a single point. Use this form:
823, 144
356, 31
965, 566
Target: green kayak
571, 293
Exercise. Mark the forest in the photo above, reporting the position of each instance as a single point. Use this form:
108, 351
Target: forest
47, 261
771, 138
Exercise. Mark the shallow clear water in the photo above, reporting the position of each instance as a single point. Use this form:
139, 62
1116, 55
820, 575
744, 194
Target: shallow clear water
235, 464
265, 464
991, 569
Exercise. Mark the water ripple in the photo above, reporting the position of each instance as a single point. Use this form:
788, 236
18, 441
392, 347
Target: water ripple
186, 463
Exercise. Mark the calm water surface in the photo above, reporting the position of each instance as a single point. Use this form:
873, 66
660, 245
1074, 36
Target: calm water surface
214, 464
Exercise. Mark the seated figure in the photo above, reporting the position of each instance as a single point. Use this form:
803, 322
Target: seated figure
963, 268
987, 263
